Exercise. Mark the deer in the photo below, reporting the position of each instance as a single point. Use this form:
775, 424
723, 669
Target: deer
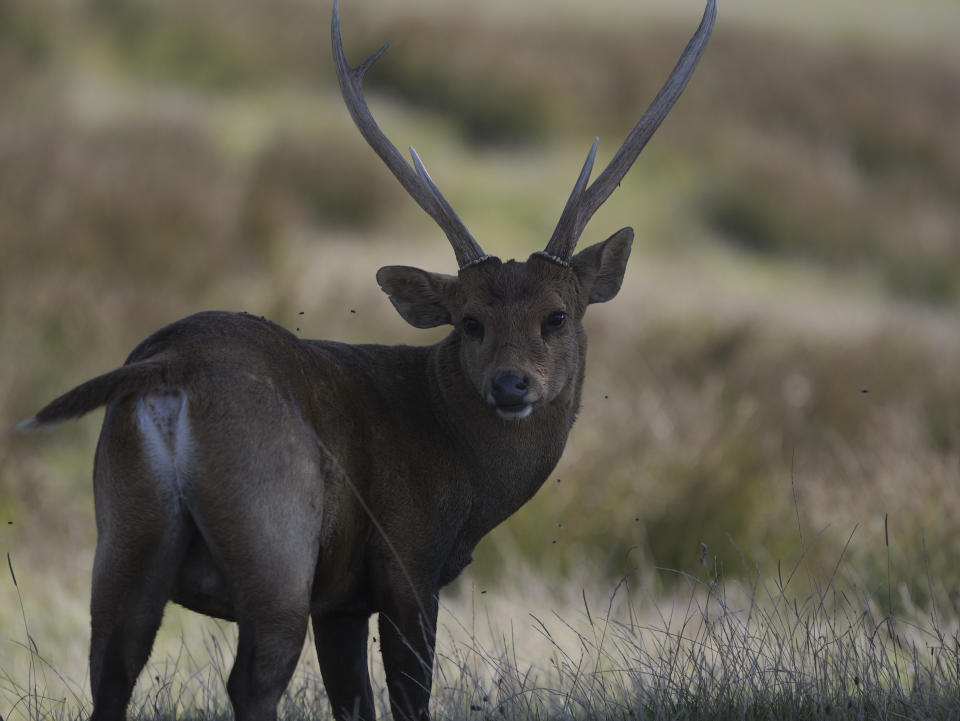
251, 475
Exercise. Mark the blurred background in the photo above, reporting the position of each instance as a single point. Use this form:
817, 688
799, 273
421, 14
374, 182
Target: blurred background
781, 369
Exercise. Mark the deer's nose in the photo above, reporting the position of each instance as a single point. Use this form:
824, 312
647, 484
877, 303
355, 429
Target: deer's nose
509, 390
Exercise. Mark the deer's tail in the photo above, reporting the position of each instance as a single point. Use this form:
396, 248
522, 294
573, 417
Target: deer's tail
130, 379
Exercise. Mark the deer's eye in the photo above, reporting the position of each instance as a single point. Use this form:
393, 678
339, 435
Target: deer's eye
472, 328
554, 322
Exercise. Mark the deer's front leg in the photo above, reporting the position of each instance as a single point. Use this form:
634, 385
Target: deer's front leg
408, 626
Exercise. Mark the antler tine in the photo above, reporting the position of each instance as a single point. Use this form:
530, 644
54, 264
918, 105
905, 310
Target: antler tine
417, 183
468, 252
608, 180
560, 246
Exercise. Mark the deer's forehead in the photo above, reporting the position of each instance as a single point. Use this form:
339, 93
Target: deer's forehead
515, 284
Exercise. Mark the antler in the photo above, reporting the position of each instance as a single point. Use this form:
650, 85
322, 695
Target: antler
417, 183
582, 204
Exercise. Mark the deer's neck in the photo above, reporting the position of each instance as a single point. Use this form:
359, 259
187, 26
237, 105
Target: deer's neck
506, 461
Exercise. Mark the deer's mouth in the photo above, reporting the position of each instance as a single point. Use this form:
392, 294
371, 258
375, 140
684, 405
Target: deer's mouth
512, 395
514, 412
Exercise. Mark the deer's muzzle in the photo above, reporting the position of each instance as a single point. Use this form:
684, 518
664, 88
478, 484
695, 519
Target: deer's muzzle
511, 397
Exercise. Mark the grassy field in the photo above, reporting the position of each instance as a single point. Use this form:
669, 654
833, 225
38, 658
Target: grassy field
774, 394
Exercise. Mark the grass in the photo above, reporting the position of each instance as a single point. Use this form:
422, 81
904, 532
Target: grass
758, 646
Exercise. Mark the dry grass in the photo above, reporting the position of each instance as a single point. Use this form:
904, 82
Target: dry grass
715, 649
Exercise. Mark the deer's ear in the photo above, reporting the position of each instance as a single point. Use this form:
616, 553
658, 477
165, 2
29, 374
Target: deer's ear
600, 267
421, 298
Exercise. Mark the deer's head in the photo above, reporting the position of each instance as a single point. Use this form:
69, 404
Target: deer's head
522, 339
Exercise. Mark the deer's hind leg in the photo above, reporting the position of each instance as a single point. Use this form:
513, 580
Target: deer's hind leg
270, 585
142, 535
262, 523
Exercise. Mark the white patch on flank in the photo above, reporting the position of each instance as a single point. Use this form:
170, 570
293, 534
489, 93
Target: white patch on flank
167, 440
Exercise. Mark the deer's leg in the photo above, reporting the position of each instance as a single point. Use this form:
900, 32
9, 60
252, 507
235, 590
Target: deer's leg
260, 511
267, 654
131, 586
134, 571
408, 625
270, 577
270, 580
342, 653
267, 557
142, 535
